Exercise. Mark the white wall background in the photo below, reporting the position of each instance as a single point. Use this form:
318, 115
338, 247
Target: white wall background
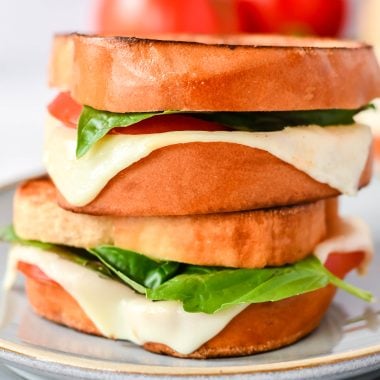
26, 29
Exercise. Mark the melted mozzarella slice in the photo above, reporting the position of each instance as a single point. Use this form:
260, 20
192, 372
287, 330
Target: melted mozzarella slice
349, 235
371, 117
118, 312
334, 155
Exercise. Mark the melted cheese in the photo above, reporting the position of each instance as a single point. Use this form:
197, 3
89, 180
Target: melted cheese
371, 117
334, 155
349, 235
118, 312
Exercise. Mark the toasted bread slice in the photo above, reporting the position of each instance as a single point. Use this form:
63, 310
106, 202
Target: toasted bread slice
231, 73
202, 178
260, 327
248, 239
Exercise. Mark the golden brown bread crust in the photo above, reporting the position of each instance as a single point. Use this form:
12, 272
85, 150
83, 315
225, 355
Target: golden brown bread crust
244, 73
61, 61
51, 301
248, 239
201, 178
260, 327
376, 144
36, 216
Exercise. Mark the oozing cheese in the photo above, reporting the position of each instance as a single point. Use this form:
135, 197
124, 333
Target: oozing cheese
334, 155
120, 313
371, 117
349, 235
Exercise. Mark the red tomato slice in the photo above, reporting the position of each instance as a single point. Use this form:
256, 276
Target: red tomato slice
67, 110
169, 123
34, 272
342, 263
338, 264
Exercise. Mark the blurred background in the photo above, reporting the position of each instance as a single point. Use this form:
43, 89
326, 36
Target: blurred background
27, 26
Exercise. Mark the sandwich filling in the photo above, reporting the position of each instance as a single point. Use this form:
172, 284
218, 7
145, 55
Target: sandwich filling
97, 145
371, 117
196, 303
324, 153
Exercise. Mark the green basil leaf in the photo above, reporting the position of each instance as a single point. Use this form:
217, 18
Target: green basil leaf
278, 120
95, 124
138, 271
200, 289
355, 291
76, 255
8, 234
336, 281
215, 290
83, 258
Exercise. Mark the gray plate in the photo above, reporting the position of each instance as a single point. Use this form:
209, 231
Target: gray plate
346, 345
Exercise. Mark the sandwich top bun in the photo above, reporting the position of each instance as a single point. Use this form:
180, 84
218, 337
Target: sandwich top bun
61, 62
245, 73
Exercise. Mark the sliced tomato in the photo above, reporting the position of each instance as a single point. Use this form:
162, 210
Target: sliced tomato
67, 110
342, 263
169, 123
34, 272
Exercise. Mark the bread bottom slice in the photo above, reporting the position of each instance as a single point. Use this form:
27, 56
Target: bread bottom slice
259, 327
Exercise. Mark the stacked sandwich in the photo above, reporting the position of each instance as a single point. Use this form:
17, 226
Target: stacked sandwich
191, 204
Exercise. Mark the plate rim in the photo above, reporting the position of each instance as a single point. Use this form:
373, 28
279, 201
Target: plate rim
95, 365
